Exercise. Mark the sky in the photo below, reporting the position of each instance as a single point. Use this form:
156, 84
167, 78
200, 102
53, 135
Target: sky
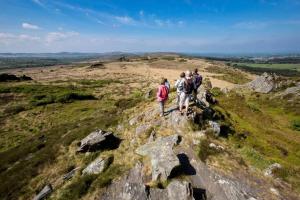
191, 26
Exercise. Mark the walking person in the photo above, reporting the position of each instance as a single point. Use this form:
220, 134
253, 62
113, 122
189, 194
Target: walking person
162, 96
188, 88
179, 86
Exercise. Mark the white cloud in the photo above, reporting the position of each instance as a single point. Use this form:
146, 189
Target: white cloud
30, 26
38, 2
125, 20
57, 36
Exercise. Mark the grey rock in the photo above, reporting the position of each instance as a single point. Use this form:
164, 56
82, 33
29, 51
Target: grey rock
70, 174
130, 187
264, 83
274, 191
270, 170
215, 127
98, 166
136, 119
176, 190
98, 139
44, 193
163, 159
142, 129
216, 147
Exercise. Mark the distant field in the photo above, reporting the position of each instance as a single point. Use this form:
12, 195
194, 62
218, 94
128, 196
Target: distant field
273, 66
285, 69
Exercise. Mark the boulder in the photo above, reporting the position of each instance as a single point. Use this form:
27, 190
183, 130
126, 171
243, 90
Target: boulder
98, 166
176, 190
98, 140
271, 169
130, 187
44, 193
163, 159
142, 129
264, 83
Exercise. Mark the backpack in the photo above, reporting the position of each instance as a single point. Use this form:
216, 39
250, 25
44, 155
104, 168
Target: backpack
164, 93
180, 86
198, 80
188, 86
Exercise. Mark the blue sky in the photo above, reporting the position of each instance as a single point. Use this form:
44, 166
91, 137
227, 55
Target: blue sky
202, 26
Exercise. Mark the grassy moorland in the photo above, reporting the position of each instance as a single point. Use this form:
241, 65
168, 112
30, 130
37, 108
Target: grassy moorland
40, 124
263, 130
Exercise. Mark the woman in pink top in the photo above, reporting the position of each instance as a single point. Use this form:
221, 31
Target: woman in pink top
162, 96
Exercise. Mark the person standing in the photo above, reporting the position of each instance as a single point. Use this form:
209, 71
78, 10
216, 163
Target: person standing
179, 86
197, 78
162, 96
188, 88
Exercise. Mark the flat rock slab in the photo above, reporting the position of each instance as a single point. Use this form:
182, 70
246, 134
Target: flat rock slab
163, 159
98, 139
98, 166
176, 190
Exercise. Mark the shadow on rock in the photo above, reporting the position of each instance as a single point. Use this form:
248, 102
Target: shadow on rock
199, 194
185, 167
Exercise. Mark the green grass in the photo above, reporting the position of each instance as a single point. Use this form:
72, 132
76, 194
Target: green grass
31, 138
229, 74
290, 70
263, 133
273, 66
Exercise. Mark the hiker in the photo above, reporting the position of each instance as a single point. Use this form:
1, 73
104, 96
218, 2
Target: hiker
179, 86
197, 78
185, 96
167, 84
162, 96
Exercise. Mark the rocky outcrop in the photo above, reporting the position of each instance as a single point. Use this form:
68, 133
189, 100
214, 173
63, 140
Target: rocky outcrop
176, 190
44, 193
163, 159
130, 187
98, 140
98, 166
264, 83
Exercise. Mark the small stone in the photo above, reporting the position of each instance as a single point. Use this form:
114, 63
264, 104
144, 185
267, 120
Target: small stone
215, 127
269, 171
274, 191
44, 193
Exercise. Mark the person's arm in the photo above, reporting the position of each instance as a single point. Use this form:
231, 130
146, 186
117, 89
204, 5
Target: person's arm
177, 83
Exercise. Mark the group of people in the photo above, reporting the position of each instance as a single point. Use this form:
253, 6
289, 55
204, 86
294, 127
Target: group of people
186, 87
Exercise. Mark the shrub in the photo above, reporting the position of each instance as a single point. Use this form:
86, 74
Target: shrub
296, 125
14, 109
